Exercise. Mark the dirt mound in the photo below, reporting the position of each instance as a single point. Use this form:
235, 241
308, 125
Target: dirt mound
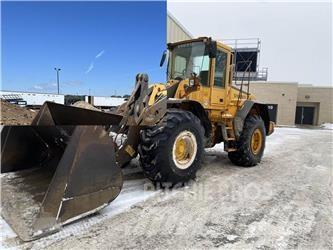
12, 114
85, 105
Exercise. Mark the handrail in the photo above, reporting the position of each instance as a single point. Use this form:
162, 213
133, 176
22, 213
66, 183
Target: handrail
247, 70
238, 43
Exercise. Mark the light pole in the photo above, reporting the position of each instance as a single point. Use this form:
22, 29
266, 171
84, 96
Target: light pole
57, 69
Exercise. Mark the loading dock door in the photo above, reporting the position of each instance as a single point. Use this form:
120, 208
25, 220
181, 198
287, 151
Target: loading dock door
304, 115
272, 111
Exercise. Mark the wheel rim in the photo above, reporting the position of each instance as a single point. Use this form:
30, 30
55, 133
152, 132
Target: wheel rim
256, 141
184, 149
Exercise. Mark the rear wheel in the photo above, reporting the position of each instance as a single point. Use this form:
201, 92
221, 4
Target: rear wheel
251, 144
172, 151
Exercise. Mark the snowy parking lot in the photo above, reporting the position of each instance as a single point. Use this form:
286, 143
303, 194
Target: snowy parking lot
284, 202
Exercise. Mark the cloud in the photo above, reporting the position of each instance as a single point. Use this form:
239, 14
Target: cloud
37, 86
100, 54
52, 86
72, 83
91, 66
45, 86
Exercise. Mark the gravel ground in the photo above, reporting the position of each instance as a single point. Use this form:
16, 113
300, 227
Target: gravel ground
14, 115
284, 202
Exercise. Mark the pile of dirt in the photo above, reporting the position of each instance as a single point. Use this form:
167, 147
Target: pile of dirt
12, 114
84, 105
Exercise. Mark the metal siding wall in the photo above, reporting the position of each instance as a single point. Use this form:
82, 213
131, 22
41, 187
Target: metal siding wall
175, 32
106, 101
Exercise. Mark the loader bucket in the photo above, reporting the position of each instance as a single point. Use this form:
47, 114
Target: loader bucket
53, 172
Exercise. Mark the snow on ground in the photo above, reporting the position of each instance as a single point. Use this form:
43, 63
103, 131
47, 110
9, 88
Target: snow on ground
293, 209
327, 125
133, 192
5, 233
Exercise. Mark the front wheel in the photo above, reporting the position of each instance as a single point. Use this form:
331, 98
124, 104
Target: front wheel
251, 144
172, 151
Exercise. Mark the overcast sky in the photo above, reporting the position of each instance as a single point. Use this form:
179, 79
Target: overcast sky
296, 37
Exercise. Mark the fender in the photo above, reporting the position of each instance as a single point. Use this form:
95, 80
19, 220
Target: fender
260, 108
196, 108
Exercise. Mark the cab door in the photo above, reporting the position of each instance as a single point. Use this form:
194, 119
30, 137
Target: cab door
219, 79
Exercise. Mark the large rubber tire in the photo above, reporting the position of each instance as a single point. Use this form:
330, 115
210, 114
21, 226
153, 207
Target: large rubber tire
244, 155
156, 147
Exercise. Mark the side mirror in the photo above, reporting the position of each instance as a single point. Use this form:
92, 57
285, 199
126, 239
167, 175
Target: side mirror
212, 49
163, 58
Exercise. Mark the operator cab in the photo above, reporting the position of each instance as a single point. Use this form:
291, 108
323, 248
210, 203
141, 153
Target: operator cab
193, 58
200, 63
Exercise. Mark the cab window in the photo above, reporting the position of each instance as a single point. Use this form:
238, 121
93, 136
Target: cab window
201, 68
198, 65
180, 65
220, 69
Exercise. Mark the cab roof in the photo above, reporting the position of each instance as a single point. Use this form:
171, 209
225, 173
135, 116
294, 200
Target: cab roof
200, 39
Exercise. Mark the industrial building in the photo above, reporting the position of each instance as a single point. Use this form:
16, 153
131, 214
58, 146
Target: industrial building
294, 103
33, 99
290, 102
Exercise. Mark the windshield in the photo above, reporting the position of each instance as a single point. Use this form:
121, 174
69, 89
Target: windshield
189, 58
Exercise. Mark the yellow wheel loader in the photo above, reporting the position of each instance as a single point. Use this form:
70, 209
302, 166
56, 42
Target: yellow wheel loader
67, 164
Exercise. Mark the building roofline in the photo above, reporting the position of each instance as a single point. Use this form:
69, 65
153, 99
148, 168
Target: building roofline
299, 85
50, 93
275, 82
314, 86
30, 92
179, 24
